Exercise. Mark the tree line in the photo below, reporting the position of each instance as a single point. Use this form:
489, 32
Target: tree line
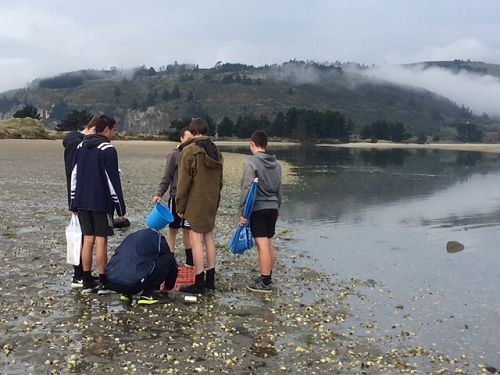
302, 124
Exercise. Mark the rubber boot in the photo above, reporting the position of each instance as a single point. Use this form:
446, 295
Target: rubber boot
210, 279
198, 287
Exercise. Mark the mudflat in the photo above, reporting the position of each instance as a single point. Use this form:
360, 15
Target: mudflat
305, 325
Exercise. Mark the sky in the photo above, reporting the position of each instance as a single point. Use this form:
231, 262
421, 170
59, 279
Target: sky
44, 38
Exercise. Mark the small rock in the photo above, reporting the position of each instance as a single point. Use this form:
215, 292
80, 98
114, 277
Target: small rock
454, 247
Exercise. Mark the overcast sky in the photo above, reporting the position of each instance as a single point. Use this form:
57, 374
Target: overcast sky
43, 38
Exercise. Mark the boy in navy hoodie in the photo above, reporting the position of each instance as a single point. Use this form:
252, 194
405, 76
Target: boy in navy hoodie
96, 192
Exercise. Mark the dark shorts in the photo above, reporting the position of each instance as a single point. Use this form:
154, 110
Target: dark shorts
178, 221
95, 223
263, 223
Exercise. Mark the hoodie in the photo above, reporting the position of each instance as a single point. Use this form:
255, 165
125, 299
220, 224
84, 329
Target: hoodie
267, 169
200, 183
70, 143
95, 178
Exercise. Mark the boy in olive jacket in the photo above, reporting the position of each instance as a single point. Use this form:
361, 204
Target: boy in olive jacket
197, 199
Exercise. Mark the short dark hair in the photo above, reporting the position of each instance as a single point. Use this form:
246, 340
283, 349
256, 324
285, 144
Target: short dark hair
184, 130
101, 122
259, 137
198, 126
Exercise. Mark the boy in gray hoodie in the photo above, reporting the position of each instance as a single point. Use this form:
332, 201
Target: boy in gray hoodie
265, 210
169, 182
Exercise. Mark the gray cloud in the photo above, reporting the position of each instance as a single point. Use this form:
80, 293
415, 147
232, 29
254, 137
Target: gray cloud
39, 39
481, 93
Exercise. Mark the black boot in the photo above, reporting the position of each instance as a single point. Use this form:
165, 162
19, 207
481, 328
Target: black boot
189, 257
198, 287
210, 279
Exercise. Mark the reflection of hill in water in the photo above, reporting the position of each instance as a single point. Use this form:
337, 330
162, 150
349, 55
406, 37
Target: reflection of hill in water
334, 181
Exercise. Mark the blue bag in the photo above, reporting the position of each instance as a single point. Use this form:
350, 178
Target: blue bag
242, 238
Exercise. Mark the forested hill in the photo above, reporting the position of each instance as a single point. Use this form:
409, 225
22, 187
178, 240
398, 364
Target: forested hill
147, 100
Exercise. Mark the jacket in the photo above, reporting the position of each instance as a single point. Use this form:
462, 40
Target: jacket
95, 178
200, 183
267, 169
170, 176
141, 262
70, 143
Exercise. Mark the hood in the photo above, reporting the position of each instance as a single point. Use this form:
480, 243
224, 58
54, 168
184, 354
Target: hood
73, 137
212, 158
94, 140
269, 161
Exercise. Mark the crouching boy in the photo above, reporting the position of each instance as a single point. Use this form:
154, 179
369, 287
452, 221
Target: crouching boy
141, 263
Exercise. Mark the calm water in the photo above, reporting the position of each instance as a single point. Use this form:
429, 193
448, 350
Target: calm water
385, 216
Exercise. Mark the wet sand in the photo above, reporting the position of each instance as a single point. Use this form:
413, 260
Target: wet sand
305, 326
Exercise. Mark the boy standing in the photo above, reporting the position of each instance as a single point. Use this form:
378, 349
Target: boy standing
96, 192
265, 209
70, 143
197, 199
169, 182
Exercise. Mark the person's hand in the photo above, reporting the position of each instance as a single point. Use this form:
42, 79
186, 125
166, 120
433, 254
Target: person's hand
243, 220
156, 199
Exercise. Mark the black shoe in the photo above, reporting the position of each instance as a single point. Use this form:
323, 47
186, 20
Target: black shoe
103, 290
77, 282
90, 287
210, 279
259, 286
198, 287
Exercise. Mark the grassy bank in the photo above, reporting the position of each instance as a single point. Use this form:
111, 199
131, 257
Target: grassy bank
26, 128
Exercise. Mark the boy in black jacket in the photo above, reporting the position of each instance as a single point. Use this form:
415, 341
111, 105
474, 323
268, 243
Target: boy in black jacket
96, 192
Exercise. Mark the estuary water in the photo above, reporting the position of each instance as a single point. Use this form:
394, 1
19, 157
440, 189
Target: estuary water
384, 217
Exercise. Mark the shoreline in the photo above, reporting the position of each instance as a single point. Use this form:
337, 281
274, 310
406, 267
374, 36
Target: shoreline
472, 147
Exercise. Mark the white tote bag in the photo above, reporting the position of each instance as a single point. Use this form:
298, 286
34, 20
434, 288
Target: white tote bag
74, 241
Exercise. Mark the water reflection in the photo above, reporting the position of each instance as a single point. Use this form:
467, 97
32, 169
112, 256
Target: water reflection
336, 181
388, 215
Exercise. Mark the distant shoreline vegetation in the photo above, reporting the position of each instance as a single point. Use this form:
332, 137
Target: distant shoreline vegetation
301, 100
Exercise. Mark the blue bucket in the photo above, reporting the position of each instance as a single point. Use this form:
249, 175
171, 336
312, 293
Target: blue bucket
159, 217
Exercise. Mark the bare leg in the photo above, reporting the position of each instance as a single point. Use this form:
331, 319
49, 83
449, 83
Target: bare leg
265, 255
171, 235
87, 248
101, 251
197, 246
208, 238
271, 252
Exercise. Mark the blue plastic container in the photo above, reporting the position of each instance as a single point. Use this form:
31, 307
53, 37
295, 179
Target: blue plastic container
159, 217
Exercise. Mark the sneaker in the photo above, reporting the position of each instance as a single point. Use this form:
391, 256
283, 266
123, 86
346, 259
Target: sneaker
151, 299
90, 287
126, 298
259, 287
78, 282
103, 290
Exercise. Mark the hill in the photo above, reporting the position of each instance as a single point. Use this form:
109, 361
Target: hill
146, 100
